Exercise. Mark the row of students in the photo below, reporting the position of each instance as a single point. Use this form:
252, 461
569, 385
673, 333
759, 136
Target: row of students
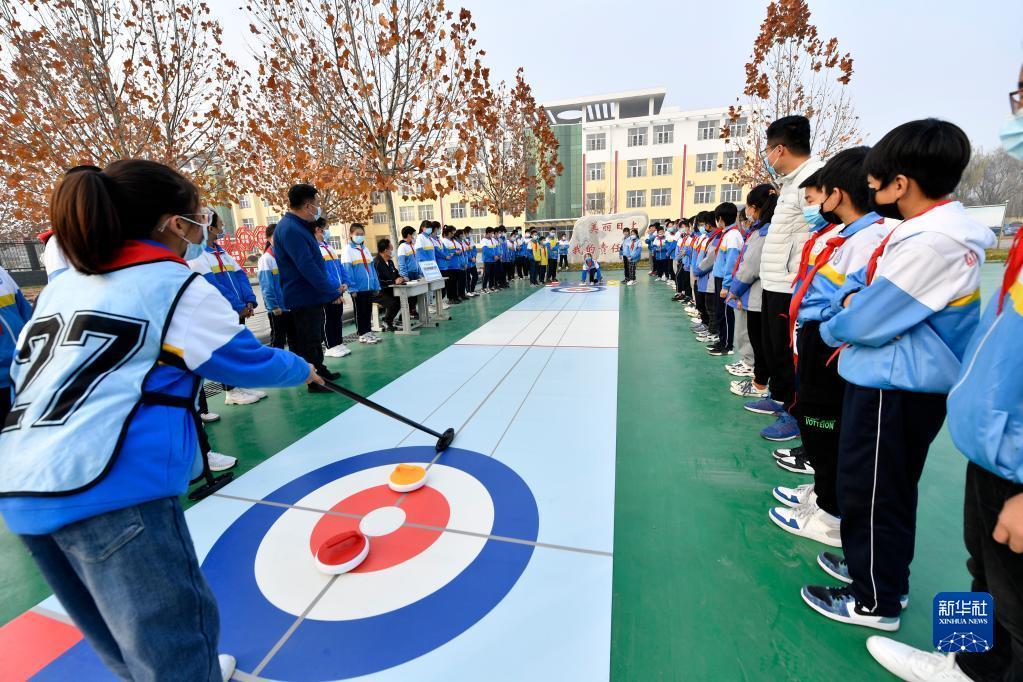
883, 339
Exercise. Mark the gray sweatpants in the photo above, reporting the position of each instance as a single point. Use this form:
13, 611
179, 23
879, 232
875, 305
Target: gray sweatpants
742, 345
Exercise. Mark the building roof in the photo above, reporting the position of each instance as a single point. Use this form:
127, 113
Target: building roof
630, 104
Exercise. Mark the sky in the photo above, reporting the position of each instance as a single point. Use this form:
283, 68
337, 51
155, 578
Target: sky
912, 58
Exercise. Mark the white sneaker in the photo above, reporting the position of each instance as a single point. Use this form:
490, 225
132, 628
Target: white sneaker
219, 462
209, 417
630, 283
227, 666
794, 497
239, 396
338, 351
373, 338
444, 305
914, 665
254, 391
809, 521
746, 389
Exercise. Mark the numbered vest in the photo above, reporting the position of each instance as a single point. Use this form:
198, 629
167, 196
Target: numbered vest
78, 375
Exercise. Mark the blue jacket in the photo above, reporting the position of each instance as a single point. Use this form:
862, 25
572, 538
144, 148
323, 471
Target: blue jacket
224, 273
159, 447
359, 273
631, 248
724, 262
490, 249
985, 407
909, 328
304, 279
659, 248
408, 261
469, 250
506, 250
15, 311
426, 248
332, 262
563, 248
590, 263
270, 281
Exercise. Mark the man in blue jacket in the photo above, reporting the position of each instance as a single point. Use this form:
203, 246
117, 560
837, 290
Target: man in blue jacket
304, 281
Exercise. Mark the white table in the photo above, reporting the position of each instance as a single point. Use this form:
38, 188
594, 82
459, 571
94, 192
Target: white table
439, 314
419, 289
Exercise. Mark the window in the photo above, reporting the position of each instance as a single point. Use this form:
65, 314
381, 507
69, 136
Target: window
664, 134
479, 212
378, 198
636, 168
706, 130
595, 202
245, 202
596, 142
739, 127
425, 212
637, 137
733, 160
706, 162
271, 219
662, 165
595, 171
248, 222
660, 197
407, 214
458, 210
731, 192
380, 218
635, 198
704, 194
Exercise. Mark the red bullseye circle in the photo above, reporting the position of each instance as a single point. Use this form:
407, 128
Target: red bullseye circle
425, 506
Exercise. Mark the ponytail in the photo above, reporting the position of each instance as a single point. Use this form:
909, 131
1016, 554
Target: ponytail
94, 212
764, 198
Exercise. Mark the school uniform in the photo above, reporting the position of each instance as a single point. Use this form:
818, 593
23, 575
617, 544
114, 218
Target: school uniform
408, 267
658, 247
705, 280
282, 326
472, 272
15, 311
522, 257
902, 340
552, 259
363, 283
221, 270
507, 261
820, 389
563, 253
746, 287
591, 271
985, 419
448, 262
730, 243
332, 312
54, 261
538, 262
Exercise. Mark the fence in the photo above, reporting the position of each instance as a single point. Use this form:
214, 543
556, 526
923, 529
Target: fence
24, 260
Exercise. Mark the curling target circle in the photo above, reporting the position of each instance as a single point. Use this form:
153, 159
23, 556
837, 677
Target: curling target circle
419, 587
578, 289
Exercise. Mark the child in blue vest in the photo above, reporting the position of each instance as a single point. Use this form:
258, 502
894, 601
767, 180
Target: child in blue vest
282, 326
729, 245
902, 328
95, 495
362, 280
472, 274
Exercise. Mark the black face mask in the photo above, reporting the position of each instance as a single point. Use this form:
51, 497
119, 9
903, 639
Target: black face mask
890, 211
829, 215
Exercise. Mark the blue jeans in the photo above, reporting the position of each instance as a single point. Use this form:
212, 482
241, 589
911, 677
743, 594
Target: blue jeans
131, 582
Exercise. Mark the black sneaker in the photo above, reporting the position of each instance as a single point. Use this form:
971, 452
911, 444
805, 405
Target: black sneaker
798, 451
797, 465
316, 388
717, 350
328, 375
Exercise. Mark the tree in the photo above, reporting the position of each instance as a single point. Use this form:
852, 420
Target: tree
92, 81
993, 178
400, 84
792, 71
518, 156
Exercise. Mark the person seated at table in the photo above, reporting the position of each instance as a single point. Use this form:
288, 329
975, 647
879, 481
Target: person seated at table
591, 270
388, 275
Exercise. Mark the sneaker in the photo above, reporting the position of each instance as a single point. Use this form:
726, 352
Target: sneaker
914, 665
630, 283
744, 372
838, 603
316, 388
374, 338
227, 666
793, 497
328, 375
798, 451
238, 396
795, 464
209, 417
746, 389
785, 428
835, 566
254, 391
219, 462
338, 351
444, 305
764, 406
368, 338
691, 310
718, 351
809, 521
677, 297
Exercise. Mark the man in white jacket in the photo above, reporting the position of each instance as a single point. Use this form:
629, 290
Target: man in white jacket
787, 159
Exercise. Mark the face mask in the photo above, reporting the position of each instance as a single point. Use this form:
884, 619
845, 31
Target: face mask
1012, 136
829, 216
812, 215
890, 211
427, 231
317, 215
193, 251
771, 170
326, 235
359, 238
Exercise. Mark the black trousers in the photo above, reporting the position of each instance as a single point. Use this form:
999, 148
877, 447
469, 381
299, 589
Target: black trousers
332, 334
882, 449
509, 271
363, 311
521, 266
725, 315
700, 300
630, 270
472, 277
450, 284
995, 569
775, 336
391, 305
818, 410
460, 281
711, 305
499, 276
282, 329
754, 327
536, 272
309, 322
563, 260
682, 283
552, 270
488, 275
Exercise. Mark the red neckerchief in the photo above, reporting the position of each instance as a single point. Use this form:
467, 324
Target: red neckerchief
742, 252
45, 236
362, 253
1012, 268
804, 258
139, 253
879, 251
411, 247
270, 250
216, 254
328, 251
823, 258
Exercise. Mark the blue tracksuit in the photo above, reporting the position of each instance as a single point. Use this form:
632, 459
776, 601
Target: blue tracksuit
223, 272
304, 280
270, 281
408, 261
590, 264
14, 313
359, 273
426, 248
728, 254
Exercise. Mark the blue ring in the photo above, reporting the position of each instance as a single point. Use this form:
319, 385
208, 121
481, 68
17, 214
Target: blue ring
320, 650
564, 289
